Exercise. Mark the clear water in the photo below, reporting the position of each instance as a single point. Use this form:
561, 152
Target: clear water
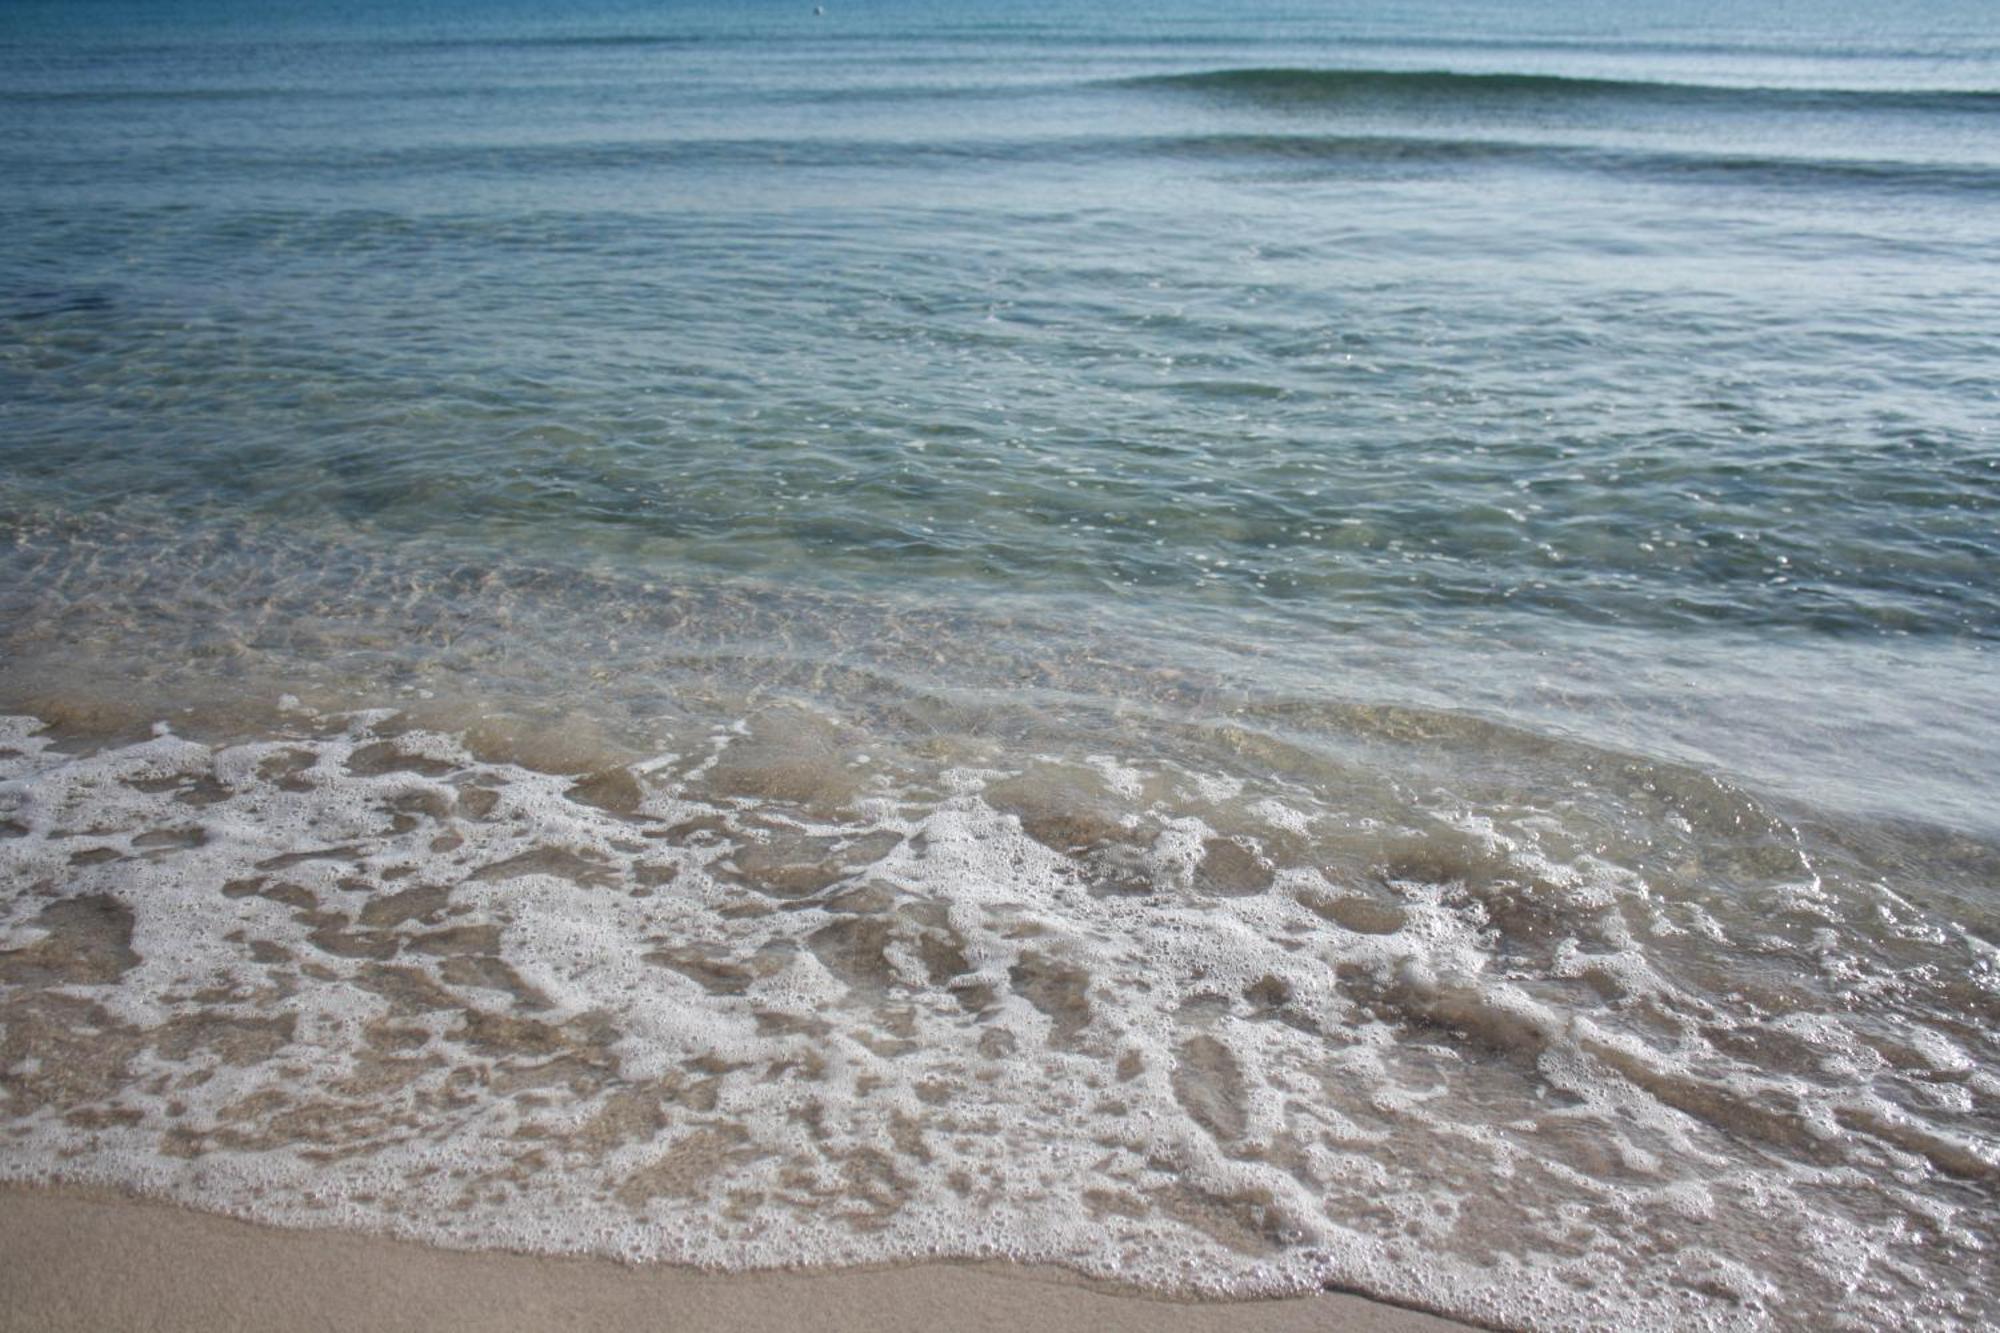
1260, 645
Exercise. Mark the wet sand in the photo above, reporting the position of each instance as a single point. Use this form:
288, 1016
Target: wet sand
76, 1259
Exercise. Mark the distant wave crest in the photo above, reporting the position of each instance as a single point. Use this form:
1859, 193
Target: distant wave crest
1306, 86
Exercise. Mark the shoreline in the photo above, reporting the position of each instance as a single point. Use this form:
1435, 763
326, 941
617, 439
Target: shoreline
91, 1259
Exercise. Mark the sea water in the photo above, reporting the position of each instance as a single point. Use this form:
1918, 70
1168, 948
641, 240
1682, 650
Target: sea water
1245, 647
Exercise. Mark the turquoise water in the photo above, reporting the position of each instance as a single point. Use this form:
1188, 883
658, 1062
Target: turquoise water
1570, 425
1310, 327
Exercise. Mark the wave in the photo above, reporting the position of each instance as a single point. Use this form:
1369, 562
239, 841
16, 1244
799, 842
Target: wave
1295, 156
1351, 152
1284, 88
1309, 86
838, 978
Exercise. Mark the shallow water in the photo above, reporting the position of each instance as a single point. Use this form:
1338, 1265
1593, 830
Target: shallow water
1244, 650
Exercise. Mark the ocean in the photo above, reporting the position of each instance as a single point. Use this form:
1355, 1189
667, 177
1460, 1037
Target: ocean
1245, 647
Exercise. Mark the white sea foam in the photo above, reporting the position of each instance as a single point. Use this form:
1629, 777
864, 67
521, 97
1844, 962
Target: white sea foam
1147, 1022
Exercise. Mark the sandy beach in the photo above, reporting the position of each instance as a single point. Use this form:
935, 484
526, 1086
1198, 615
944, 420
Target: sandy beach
75, 1259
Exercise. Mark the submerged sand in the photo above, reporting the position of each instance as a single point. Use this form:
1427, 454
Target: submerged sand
77, 1259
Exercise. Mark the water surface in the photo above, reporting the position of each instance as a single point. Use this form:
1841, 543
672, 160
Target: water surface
1243, 646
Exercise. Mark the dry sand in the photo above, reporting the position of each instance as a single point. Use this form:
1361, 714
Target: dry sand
73, 1259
